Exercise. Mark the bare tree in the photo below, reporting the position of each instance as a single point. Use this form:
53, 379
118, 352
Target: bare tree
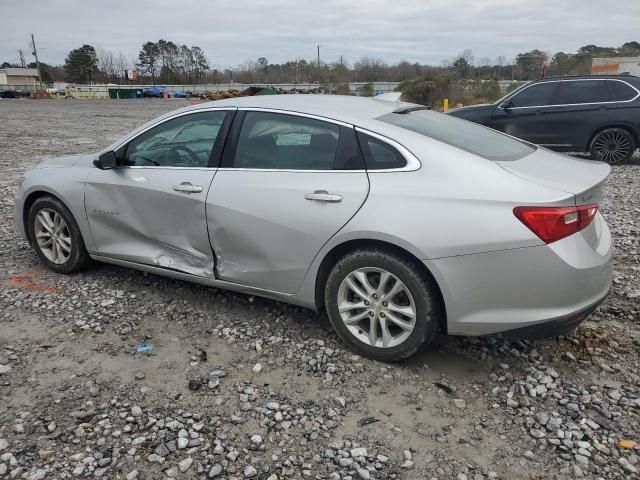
105, 64
120, 65
467, 54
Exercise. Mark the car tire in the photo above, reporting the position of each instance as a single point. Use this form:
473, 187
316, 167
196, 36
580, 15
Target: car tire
56, 237
613, 145
417, 296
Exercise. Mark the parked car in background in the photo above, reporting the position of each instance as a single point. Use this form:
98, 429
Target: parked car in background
595, 114
400, 223
153, 92
9, 94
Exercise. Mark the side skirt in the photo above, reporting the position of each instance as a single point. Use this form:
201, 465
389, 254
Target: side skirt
209, 282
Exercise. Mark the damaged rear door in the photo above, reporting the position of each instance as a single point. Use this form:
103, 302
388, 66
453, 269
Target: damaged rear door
150, 209
287, 183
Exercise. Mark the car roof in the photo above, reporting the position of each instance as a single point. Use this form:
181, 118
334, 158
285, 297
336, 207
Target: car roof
358, 111
349, 109
632, 78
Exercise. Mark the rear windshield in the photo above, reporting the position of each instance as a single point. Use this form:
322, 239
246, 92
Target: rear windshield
462, 134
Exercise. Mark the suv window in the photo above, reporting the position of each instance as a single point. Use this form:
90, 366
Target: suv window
581, 91
185, 141
462, 134
379, 155
280, 141
620, 91
537, 95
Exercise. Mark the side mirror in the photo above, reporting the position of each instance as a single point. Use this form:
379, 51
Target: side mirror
506, 105
106, 161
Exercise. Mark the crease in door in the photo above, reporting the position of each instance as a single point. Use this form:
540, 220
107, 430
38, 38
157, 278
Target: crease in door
146, 237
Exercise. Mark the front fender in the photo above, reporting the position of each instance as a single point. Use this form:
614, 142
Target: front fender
67, 185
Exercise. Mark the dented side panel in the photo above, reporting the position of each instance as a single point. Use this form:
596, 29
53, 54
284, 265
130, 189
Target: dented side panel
264, 232
136, 215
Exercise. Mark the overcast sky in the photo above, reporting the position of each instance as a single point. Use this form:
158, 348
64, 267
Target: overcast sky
426, 31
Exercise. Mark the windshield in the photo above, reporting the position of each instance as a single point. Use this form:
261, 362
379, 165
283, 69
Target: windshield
467, 136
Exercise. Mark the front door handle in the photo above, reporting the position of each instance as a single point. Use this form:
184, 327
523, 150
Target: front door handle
323, 196
186, 187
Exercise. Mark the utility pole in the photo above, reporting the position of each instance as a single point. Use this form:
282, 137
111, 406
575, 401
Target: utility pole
319, 55
297, 63
35, 54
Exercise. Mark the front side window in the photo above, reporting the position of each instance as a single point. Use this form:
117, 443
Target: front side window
581, 91
288, 142
621, 91
185, 141
461, 134
538, 95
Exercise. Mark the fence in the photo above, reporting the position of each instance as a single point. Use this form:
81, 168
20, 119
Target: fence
102, 91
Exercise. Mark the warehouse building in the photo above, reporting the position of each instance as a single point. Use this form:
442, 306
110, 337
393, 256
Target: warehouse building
18, 78
616, 66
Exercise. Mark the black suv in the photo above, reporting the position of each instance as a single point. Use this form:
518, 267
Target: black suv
597, 114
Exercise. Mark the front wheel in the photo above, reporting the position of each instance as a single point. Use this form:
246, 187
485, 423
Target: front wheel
381, 305
613, 145
56, 237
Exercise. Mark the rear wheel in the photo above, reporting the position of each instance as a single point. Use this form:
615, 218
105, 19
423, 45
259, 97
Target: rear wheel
55, 236
381, 305
613, 145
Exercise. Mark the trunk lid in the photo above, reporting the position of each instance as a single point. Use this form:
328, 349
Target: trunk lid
584, 179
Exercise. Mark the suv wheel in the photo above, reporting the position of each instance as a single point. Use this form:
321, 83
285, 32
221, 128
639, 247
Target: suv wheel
55, 236
381, 305
613, 145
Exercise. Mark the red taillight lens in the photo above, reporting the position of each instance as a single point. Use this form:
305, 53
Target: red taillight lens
553, 223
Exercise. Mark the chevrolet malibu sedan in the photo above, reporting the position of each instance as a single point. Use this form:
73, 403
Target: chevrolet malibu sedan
399, 222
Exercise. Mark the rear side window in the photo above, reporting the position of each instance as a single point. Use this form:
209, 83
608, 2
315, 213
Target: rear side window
461, 134
379, 155
581, 91
537, 95
620, 91
288, 142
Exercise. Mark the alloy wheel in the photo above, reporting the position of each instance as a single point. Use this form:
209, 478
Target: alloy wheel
53, 236
612, 147
376, 307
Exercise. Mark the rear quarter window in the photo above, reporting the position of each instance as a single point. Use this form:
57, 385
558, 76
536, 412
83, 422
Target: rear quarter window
621, 91
379, 155
462, 134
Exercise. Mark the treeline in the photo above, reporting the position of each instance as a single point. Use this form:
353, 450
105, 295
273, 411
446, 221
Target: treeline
166, 62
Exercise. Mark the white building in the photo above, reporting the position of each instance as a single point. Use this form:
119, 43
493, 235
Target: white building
21, 78
616, 65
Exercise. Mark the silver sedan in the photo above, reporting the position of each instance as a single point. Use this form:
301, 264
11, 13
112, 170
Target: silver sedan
399, 222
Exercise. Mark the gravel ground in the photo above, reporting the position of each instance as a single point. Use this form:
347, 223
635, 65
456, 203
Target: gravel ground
241, 387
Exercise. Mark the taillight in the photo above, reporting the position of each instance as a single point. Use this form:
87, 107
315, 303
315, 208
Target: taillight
554, 223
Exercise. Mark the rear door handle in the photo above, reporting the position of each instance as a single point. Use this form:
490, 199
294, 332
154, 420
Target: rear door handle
323, 196
186, 187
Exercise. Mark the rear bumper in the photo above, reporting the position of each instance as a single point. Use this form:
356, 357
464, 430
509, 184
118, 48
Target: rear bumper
554, 327
524, 289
